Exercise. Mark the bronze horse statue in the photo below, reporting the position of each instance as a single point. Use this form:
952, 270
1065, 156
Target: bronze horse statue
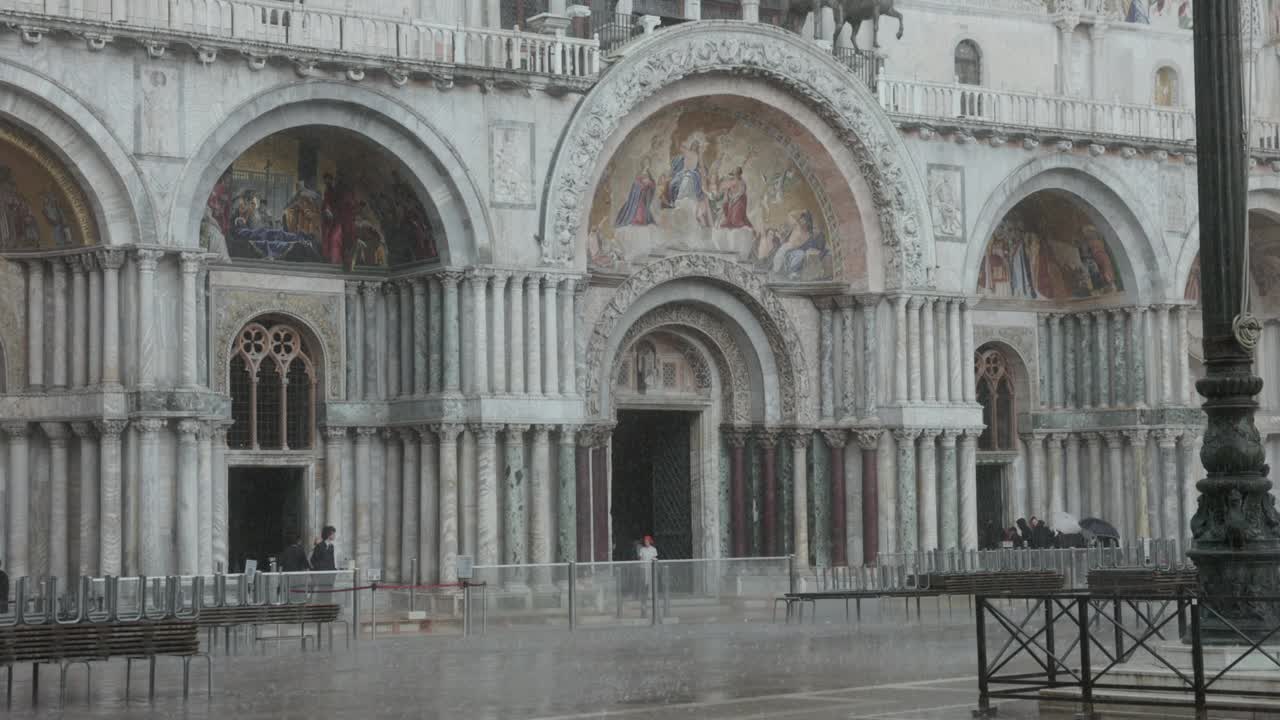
854, 12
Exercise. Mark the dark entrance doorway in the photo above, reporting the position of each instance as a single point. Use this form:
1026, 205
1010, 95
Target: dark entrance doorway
991, 503
264, 503
651, 483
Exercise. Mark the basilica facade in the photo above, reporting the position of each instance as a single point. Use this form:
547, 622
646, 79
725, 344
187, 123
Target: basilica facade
526, 281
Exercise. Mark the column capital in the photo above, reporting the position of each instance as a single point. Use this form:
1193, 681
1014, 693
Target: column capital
541, 433
949, 436
824, 302
533, 281
191, 262
799, 437
1091, 438
1191, 436
1098, 314
735, 437
1136, 310
364, 433
914, 302
150, 425
767, 437
930, 433
188, 428
83, 430
425, 433
1113, 438
110, 259
868, 302
1033, 438
905, 434
1136, 436
16, 429
76, 263
448, 432
486, 433
1056, 439
845, 302
500, 277
481, 275
89, 261
567, 285
1167, 438
148, 258
515, 433
419, 285
1098, 30
972, 434
1119, 312
389, 287
404, 284
1161, 307
334, 433
836, 437
868, 439
59, 267
449, 279
55, 431
1066, 22
407, 434
569, 434
370, 289
388, 433
110, 429
352, 288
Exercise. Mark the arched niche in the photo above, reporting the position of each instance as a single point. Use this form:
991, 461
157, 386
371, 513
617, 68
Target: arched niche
42, 206
1053, 246
1003, 388
320, 195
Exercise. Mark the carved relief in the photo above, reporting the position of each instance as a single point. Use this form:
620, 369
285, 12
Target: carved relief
511, 164
946, 201
158, 127
758, 51
321, 313
1175, 198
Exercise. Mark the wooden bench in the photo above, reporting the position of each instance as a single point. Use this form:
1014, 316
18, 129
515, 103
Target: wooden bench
255, 616
85, 643
800, 599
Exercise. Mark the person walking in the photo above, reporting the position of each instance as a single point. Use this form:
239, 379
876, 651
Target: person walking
646, 554
322, 554
294, 557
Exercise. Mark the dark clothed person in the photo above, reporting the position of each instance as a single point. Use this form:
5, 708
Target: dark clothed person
294, 558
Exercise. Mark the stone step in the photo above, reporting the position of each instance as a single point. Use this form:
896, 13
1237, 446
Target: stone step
1063, 704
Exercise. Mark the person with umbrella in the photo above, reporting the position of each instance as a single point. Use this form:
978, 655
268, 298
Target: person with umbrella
1068, 533
1100, 531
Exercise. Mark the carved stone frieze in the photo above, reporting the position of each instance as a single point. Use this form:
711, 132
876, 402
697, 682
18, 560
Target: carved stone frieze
784, 339
770, 54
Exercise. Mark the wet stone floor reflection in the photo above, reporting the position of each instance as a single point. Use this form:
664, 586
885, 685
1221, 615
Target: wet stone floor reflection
880, 669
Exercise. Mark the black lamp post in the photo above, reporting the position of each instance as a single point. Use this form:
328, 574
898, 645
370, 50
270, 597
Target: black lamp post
1236, 529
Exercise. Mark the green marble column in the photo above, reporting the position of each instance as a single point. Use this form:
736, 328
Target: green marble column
820, 500
726, 512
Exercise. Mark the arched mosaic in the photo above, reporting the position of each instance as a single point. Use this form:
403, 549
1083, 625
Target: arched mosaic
41, 206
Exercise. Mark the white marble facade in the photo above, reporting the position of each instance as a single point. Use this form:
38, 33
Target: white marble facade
464, 402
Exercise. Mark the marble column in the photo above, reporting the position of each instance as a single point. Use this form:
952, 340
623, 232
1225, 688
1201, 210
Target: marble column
1088, 357
1121, 371
550, 335
533, 330
869, 445
428, 505
906, 511
436, 332
190, 264
1137, 357
969, 489
108, 372
18, 502
541, 530
870, 357
1066, 52
408, 503
392, 501
353, 319
399, 340
515, 513
449, 318
515, 336
151, 551
1171, 487
566, 492
447, 543
927, 490
1192, 471
35, 335
948, 353
568, 337
1103, 358
1035, 457
799, 440
913, 348
966, 336
369, 292
334, 439
468, 496
218, 522
187, 530
418, 332
59, 476
487, 493
108, 546
480, 328
738, 533
929, 373
901, 363
1045, 354
836, 440
1115, 481
1098, 61
498, 330
1056, 490
849, 359
948, 506
767, 441
146, 352
826, 359
1143, 506
751, 10
363, 531
87, 563
1093, 483
1074, 493
887, 497
1162, 352
204, 500
60, 328
1059, 359
79, 320
582, 485
1182, 355
1070, 351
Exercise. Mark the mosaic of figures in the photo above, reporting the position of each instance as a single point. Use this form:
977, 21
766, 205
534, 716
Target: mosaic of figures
1155, 12
35, 207
1048, 248
1264, 265
318, 195
708, 181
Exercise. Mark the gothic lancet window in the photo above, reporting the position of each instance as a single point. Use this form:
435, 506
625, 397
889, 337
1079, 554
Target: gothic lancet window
968, 69
995, 393
273, 390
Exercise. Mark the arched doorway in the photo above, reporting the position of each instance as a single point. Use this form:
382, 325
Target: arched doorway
999, 378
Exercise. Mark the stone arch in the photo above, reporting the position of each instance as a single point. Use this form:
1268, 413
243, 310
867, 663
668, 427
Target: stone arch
1264, 197
436, 168
99, 162
712, 334
760, 322
1107, 198
314, 333
769, 54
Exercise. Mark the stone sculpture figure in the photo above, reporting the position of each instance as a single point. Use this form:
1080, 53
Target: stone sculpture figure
856, 12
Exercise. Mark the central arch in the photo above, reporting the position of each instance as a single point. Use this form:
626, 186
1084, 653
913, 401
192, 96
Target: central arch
774, 56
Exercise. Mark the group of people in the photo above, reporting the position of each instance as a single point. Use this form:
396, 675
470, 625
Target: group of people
295, 558
1036, 535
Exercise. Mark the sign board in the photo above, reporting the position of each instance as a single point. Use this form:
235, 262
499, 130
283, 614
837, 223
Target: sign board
373, 574
250, 567
466, 568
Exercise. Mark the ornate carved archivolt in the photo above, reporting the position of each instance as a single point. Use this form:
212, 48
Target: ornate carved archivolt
753, 50
784, 340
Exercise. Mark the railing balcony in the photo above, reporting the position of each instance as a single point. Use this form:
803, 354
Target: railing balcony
295, 26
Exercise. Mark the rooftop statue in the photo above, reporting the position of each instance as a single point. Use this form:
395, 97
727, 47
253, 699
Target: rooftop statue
854, 12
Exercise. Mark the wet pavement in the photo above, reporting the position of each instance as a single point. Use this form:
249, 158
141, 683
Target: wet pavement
710, 672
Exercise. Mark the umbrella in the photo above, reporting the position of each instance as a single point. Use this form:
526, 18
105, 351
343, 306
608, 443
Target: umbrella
1064, 523
1099, 528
